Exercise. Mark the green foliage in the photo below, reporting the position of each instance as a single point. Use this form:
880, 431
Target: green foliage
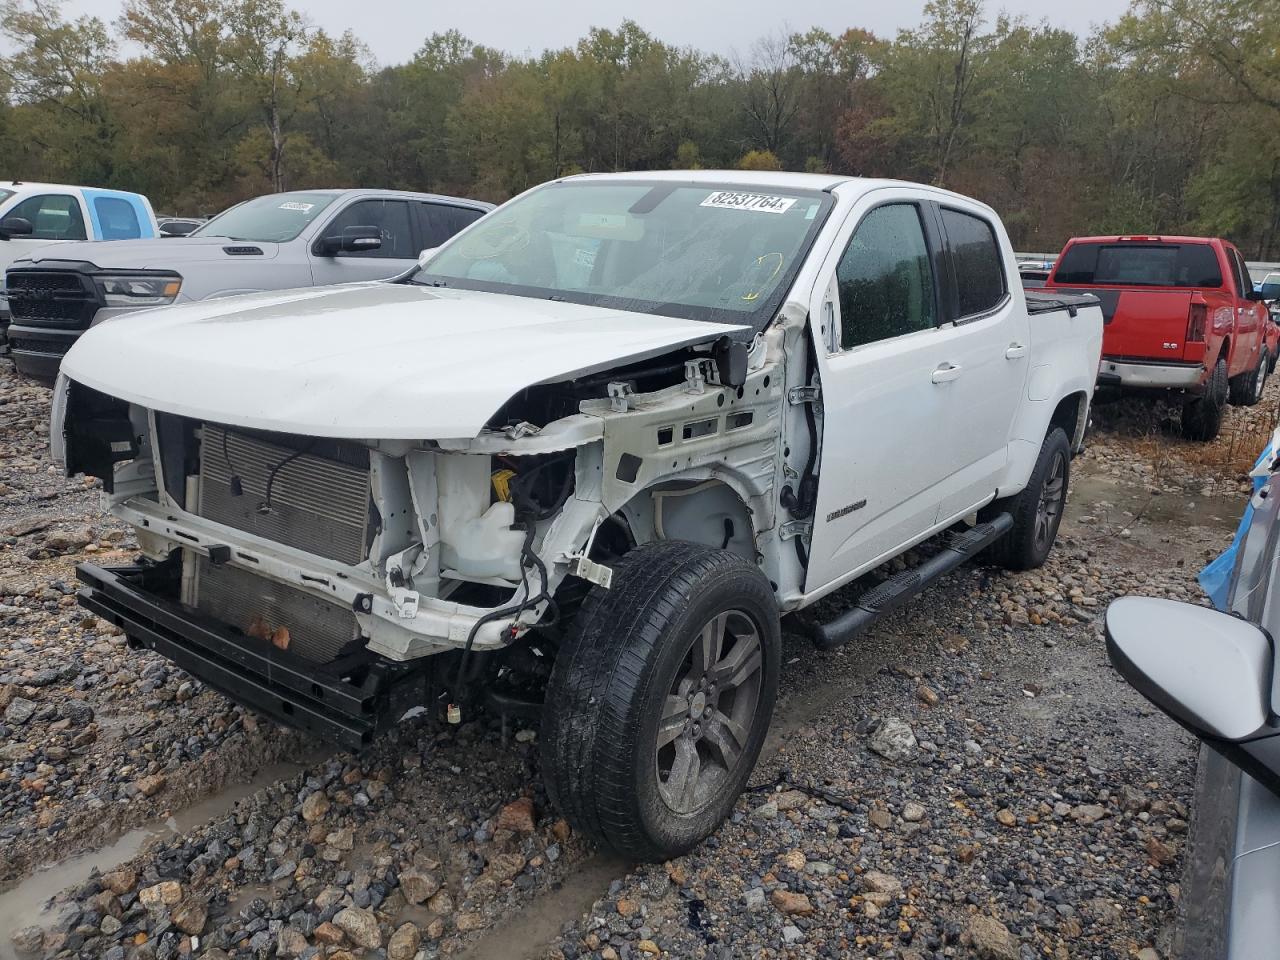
1167, 120
760, 160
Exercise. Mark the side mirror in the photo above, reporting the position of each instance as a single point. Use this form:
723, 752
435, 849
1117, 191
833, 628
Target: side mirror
1209, 671
11, 227
1270, 291
177, 229
1255, 295
354, 239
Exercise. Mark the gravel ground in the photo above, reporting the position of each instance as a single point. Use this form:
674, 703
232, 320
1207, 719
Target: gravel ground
969, 780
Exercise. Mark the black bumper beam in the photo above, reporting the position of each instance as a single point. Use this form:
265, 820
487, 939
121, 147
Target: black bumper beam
348, 706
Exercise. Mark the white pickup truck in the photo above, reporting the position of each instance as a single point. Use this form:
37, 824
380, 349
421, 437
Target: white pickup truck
36, 215
580, 462
275, 242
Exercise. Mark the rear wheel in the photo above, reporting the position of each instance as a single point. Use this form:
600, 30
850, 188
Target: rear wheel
1202, 415
1037, 509
1246, 389
660, 699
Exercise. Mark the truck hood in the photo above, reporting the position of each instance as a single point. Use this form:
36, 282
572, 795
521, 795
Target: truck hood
366, 361
165, 254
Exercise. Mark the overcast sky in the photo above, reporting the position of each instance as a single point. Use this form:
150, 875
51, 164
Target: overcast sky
394, 29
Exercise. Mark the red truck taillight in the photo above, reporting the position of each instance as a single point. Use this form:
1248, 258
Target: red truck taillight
1197, 317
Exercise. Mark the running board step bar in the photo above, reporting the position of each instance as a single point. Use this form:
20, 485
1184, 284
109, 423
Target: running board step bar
901, 587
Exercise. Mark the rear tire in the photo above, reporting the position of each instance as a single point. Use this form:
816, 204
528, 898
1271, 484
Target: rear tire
1202, 415
1037, 509
660, 699
1246, 389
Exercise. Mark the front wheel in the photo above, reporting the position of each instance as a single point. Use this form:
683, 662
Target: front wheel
1265, 366
1246, 389
660, 699
1037, 509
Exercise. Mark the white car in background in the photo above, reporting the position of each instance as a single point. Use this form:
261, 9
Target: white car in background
306, 238
34, 215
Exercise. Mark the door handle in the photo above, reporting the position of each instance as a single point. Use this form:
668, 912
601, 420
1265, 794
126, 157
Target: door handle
1015, 351
946, 372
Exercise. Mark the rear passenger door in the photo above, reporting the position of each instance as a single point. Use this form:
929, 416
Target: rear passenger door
398, 251
987, 338
886, 388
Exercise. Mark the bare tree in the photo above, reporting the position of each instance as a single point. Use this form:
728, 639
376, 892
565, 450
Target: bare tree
771, 88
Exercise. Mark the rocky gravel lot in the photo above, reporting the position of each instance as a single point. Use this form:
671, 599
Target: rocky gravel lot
969, 780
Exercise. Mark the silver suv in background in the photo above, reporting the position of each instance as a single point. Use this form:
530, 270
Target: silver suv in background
1214, 673
300, 239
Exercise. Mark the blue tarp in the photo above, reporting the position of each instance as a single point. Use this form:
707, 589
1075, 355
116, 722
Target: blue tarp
1215, 579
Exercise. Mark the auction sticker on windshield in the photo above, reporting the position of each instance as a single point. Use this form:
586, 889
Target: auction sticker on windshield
296, 205
757, 202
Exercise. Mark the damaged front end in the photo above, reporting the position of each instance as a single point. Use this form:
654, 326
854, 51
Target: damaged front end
316, 579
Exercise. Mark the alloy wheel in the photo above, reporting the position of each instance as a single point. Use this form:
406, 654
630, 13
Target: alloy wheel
709, 711
1053, 497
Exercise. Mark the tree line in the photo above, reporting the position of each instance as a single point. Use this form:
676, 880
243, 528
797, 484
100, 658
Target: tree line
1165, 121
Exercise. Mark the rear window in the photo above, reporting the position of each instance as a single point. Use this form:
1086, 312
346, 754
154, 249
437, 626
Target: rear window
118, 219
1140, 265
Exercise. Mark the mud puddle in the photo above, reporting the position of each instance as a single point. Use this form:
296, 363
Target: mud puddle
24, 903
527, 933
1108, 506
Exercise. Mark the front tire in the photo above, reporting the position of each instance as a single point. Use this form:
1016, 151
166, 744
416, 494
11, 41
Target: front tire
660, 699
1246, 389
1037, 509
1202, 415
1265, 366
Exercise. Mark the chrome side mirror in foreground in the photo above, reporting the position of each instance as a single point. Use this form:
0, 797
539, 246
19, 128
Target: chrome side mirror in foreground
1209, 671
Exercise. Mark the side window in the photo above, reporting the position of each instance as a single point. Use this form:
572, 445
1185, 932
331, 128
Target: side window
976, 256
1244, 282
389, 216
437, 222
53, 217
885, 278
118, 219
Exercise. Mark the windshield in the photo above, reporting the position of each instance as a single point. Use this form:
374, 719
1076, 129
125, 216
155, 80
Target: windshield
5, 195
702, 252
273, 219
1140, 265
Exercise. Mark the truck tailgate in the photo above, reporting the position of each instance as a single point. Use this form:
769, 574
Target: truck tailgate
1143, 323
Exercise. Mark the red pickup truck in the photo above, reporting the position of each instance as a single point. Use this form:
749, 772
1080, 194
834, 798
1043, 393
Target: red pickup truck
1180, 315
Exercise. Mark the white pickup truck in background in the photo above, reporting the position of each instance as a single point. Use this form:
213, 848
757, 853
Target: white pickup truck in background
580, 463
275, 242
34, 215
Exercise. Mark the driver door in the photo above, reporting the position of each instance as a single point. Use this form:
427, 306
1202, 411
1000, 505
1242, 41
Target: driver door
54, 217
397, 253
886, 388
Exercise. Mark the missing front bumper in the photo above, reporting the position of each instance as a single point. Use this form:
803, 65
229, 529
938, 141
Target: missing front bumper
348, 702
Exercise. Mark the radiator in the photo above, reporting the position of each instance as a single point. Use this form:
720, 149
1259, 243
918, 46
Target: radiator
318, 505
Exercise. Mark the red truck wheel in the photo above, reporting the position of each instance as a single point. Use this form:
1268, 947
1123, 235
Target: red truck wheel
1246, 389
1202, 415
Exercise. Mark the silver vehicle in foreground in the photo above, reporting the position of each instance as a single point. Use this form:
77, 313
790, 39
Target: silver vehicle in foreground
1214, 673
